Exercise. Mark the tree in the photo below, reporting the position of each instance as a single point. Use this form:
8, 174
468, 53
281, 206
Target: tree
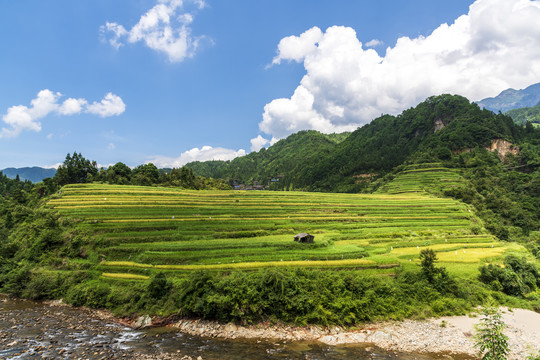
76, 169
146, 174
428, 257
491, 342
437, 276
183, 177
119, 173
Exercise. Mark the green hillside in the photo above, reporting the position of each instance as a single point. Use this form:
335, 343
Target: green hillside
310, 161
291, 156
526, 114
446, 130
190, 230
427, 177
204, 253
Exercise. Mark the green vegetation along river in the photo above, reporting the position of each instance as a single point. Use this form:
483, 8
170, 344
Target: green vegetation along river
37, 330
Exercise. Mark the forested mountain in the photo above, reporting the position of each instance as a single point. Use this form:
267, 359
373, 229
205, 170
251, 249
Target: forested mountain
512, 99
523, 115
308, 160
34, 174
291, 156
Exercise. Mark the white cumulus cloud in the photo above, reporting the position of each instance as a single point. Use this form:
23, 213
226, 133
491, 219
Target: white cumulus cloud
162, 28
496, 45
110, 105
23, 118
258, 143
204, 153
72, 106
298, 47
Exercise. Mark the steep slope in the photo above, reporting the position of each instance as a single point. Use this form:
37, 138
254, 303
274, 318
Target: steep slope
283, 162
512, 99
434, 128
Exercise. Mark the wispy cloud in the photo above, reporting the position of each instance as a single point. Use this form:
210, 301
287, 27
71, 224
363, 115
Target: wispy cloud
374, 42
164, 28
21, 118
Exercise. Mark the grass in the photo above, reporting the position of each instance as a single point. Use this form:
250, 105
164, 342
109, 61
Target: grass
184, 230
124, 276
361, 263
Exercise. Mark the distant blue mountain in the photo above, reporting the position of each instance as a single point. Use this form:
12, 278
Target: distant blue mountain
34, 174
511, 99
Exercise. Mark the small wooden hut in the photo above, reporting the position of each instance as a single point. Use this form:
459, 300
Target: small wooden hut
304, 238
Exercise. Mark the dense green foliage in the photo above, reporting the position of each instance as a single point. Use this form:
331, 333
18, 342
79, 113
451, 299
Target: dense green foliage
524, 115
308, 160
303, 296
12, 187
518, 277
292, 156
75, 170
505, 196
438, 277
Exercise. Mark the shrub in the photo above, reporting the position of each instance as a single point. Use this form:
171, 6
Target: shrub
491, 342
517, 278
158, 286
93, 294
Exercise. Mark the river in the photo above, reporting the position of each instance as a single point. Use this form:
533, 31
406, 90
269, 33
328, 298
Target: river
37, 330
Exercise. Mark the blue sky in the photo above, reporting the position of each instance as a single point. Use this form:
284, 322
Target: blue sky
252, 72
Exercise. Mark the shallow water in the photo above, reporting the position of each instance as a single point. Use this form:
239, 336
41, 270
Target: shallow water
32, 330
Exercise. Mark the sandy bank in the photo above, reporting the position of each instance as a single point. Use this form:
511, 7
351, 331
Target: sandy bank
448, 334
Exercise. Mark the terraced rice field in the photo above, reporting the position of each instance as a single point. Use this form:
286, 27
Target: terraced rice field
422, 177
182, 230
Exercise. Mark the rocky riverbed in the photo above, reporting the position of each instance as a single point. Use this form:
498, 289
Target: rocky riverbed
36, 330
53, 330
447, 336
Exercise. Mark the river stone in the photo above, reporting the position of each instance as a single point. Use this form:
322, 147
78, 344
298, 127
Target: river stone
329, 340
143, 322
380, 337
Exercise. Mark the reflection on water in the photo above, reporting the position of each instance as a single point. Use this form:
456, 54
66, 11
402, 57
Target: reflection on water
30, 330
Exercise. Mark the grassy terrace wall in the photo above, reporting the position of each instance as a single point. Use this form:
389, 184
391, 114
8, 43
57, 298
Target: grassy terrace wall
179, 230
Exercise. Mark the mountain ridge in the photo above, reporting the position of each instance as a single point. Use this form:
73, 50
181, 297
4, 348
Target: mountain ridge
510, 99
34, 173
307, 160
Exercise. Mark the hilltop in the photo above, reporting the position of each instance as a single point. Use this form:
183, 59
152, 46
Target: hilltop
510, 99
